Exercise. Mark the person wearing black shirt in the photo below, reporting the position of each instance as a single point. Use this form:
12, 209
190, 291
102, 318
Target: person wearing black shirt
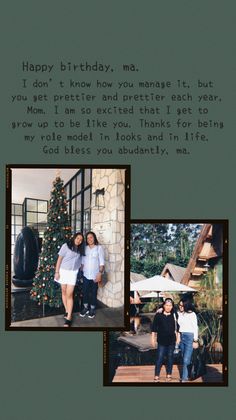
164, 331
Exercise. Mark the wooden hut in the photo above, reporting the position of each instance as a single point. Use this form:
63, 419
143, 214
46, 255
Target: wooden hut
207, 254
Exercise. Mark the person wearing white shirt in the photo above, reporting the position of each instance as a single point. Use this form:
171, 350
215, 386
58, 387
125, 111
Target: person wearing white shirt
93, 268
188, 338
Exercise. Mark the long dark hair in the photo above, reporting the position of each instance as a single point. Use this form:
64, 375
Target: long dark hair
94, 237
188, 306
71, 244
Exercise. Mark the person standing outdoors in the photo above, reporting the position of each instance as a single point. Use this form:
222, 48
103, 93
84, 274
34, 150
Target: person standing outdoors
93, 268
164, 331
67, 267
188, 339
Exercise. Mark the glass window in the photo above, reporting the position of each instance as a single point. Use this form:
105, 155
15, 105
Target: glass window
42, 206
33, 213
18, 220
73, 222
67, 191
42, 217
17, 209
78, 222
31, 205
73, 189
87, 177
87, 199
31, 218
86, 220
78, 202
73, 206
18, 229
78, 182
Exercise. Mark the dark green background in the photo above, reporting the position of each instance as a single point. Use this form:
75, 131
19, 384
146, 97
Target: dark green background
59, 375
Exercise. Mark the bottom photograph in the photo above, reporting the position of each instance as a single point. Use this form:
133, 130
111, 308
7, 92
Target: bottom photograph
178, 308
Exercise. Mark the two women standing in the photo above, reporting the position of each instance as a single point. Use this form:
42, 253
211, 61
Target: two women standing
172, 329
72, 257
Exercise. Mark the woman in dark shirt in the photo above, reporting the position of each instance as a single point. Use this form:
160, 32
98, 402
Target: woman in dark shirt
164, 332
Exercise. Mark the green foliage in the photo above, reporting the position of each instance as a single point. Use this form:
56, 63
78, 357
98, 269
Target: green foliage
210, 294
210, 328
146, 267
147, 240
45, 290
153, 245
136, 265
152, 268
150, 306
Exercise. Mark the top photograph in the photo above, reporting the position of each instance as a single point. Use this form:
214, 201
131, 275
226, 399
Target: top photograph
67, 247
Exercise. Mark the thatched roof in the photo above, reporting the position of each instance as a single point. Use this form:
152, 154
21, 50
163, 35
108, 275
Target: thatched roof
175, 272
134, 277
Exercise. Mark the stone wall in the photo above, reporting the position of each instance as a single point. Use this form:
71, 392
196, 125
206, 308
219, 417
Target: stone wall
108, 224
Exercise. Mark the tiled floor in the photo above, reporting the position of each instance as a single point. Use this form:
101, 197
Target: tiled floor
105, 318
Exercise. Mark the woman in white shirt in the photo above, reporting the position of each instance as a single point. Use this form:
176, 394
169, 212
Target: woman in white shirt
188, 338
93, 267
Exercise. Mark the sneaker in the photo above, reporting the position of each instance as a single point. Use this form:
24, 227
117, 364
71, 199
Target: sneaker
84, 312
91, 313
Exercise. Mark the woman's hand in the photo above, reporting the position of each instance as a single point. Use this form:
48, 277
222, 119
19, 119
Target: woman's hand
178, 339
57, 276
98, 278
195, 345
153, 340
159, 311
57, 267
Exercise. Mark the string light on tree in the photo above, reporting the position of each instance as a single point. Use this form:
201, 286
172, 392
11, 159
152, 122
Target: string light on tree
58, 231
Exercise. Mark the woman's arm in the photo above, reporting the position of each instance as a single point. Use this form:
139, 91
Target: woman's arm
58, 264
195, 330
101, 264
99, 274
153, 339
154, 329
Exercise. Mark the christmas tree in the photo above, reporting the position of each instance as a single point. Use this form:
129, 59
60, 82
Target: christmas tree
45, 289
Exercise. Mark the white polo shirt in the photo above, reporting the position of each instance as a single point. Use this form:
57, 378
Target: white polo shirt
94, 257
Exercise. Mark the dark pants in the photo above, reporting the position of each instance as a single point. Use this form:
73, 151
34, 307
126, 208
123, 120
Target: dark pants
163, 351
90, 289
